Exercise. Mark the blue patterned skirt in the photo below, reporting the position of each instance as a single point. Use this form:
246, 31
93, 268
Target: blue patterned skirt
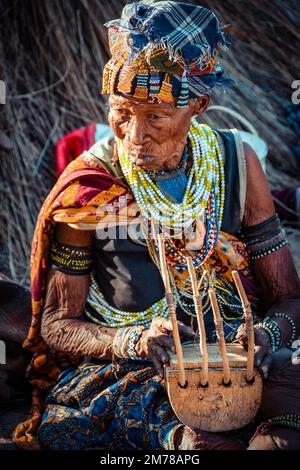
104, 407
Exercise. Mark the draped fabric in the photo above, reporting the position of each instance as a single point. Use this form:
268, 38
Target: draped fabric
96, 406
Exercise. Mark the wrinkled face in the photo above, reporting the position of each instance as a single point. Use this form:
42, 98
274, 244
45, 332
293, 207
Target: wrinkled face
154, 134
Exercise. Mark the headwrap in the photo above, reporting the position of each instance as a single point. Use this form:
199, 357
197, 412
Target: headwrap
164, 50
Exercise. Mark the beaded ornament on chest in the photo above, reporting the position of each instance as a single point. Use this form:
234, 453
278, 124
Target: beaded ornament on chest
203, 197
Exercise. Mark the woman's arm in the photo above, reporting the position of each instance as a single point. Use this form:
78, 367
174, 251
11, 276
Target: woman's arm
62, 327
276, 273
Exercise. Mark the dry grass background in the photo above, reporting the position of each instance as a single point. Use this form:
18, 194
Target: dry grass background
51, 56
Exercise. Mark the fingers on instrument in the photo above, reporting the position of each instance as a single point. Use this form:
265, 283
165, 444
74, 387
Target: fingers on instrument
213, 387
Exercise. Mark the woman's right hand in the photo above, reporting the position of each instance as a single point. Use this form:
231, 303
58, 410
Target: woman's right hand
263, 350
157, 340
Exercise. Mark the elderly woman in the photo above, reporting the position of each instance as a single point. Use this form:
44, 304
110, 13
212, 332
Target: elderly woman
100, 331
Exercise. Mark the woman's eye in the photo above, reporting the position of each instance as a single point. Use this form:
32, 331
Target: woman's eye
154, 116
123, 115
122, 112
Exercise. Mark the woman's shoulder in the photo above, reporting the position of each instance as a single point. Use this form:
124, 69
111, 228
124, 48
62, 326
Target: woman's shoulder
100, 152
259, 204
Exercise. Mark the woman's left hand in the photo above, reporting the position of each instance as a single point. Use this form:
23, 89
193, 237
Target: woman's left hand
263, 349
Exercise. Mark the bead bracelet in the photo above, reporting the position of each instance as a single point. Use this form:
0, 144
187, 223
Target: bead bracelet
292, 325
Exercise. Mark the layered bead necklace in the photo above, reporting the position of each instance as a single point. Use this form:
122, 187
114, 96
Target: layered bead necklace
204, 195
206, 173
102, 313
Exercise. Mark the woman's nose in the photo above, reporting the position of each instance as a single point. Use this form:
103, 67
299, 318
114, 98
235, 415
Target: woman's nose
136, 132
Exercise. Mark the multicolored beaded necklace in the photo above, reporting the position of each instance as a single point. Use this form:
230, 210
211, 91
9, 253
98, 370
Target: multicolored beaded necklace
204, 195
104, 314
205, 181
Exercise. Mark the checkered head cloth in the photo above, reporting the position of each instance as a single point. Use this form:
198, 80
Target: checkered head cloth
164, 51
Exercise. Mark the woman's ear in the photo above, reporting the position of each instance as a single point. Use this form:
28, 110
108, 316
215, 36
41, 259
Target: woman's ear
201, 104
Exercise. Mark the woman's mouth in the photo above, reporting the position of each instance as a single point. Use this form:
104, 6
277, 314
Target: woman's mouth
142, 159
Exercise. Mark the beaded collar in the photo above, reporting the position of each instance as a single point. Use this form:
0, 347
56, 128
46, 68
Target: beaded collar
205, 189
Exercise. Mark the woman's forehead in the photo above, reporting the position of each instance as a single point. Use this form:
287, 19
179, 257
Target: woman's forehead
131, 102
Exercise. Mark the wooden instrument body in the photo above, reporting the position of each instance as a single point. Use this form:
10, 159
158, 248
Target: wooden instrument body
216, 407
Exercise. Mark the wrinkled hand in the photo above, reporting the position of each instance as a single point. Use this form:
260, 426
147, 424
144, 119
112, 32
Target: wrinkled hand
263, 349
156, 340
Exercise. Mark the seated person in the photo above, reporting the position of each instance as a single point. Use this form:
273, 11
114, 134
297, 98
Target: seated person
98, 296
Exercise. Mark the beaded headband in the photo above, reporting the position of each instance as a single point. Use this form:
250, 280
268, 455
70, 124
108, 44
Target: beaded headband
164, 50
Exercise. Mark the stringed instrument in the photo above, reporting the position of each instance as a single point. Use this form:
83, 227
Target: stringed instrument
212, 387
